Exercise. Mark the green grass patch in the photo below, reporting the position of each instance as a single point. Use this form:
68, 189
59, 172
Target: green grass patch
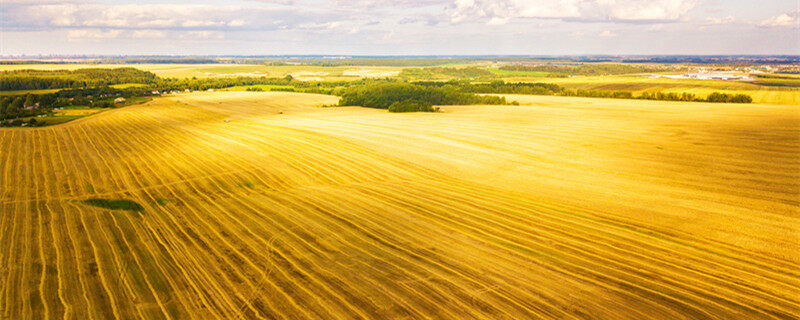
78, 108
53, 120
128, 85
114, 204
162, 201
23, 92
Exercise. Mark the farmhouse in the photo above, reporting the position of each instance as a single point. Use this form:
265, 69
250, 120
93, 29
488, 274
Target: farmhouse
119, 100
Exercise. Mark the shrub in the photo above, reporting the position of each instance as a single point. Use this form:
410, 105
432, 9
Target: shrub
116, 204
741, 98
717, 97
284, 89
722, 98
411, 106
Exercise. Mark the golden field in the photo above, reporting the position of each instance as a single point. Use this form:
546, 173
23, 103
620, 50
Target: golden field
183, 70
634, 83
702, 88
561, 208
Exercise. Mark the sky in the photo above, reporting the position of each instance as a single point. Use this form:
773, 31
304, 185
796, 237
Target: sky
399, 27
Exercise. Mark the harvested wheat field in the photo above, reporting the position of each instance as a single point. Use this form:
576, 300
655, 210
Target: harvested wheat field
563, 208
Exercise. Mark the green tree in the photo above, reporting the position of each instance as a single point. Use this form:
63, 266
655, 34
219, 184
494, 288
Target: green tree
29, 100
17, 104
411, 106
12, 110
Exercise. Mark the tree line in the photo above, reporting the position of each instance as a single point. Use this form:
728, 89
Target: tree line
498, 86
582, 69
715, 97
405, 97
549, 89
434, 72
80, 78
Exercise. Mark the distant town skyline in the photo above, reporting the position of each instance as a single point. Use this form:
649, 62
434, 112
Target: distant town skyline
401, 27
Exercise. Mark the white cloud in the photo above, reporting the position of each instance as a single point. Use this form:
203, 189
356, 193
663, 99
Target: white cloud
388, 36
154, 16
35, 2
371, 4
93, 34
498, 21
500, 11
236, 23
148, 34
203, 34
281, 2
715, 21
427, 19
329, 27
607, 34
645, 10
788, 19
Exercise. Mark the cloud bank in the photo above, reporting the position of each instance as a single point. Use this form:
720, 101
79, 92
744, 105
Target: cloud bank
502, 11
789, 19
399, 26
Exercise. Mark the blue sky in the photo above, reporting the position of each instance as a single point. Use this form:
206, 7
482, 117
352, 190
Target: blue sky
400, 27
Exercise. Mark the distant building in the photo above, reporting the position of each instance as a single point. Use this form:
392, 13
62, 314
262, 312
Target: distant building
706, 76
155, 92
119, 100
32, 107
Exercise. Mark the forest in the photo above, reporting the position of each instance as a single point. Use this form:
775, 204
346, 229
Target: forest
410, 97
80, 78
498, 86
583, 69
450, 72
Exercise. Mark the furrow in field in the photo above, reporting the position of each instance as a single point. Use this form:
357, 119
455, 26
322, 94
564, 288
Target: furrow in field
567, 208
